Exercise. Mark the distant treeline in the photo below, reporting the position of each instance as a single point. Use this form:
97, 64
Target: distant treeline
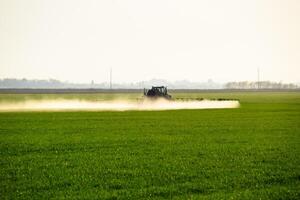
260, 85
9, 83
51, 83
56, 84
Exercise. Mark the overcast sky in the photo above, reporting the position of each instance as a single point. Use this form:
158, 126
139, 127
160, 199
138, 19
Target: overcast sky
196, 40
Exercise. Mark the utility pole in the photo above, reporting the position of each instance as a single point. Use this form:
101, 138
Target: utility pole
258, 79
110, 79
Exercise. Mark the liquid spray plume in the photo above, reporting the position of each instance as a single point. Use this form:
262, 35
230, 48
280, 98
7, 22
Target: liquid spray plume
117, 105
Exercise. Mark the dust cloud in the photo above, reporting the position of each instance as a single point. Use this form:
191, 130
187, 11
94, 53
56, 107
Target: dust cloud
117, 105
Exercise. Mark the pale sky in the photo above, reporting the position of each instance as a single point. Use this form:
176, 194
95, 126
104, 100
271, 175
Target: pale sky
196, 40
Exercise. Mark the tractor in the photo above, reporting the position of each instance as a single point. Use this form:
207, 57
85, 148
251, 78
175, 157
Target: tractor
157, 92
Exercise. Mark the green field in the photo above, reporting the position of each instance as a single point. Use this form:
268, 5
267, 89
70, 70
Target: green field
247, 153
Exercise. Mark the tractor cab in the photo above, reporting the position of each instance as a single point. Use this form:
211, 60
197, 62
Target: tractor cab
156, 92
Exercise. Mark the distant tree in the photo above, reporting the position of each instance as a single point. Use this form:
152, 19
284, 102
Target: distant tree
262, 84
